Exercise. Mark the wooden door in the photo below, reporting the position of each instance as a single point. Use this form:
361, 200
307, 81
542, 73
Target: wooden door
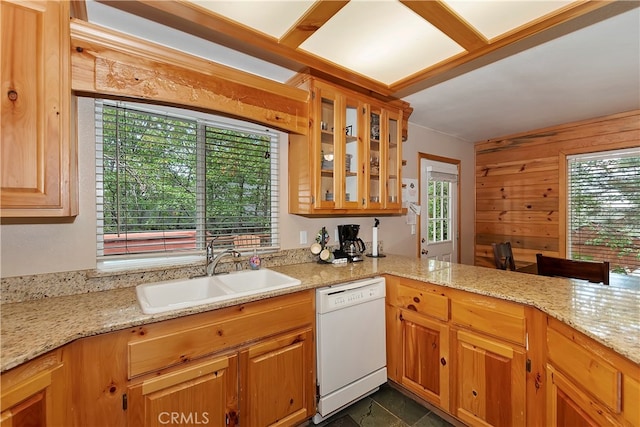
38, 163
425, 358
277, 380
200, 393
490, 386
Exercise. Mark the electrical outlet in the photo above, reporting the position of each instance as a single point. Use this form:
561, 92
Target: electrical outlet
303, 237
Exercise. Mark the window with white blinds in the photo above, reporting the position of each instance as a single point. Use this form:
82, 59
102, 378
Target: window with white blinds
168, 183
604, 208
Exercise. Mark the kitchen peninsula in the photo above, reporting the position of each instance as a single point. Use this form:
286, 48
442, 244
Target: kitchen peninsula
605, 319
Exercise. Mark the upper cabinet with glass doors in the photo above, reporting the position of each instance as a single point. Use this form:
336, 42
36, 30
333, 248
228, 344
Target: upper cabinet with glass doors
350, 164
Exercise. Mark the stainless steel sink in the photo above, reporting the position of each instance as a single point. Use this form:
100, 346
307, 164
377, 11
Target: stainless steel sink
176, 294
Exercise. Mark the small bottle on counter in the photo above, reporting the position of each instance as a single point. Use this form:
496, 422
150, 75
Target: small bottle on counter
254, 261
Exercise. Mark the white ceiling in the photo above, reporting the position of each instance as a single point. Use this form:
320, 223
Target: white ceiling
555, 77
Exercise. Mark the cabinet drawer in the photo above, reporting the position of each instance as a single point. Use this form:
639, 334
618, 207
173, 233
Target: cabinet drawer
589, 371
491, 316
167, 344
424, 301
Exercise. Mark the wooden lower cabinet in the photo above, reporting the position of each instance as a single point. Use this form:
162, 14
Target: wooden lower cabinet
490, 381
444, 345
588, 384
277, 380
202, 393
252, 365
424, 359
567, 405
34, 394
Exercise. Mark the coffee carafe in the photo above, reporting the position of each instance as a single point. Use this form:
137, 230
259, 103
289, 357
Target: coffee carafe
350, 244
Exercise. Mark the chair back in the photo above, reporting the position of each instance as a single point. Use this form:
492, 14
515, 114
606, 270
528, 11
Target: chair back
597, 272
503, 256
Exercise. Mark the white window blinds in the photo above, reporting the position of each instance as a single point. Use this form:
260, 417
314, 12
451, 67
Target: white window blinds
169, 183
604, 208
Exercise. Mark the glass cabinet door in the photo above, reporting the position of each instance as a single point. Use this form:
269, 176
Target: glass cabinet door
374, 181
393, 156
326, 149
353, 174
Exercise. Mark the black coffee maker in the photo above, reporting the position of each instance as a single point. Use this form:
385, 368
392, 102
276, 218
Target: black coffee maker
351, 246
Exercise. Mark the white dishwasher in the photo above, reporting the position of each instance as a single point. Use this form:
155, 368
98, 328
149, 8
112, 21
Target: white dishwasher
351, 343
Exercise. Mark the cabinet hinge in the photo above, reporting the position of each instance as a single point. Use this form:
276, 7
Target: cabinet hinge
528, 365
124, 402
313, 95
313, 200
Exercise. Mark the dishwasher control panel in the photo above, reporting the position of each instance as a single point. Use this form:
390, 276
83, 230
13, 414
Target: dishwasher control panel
341, 296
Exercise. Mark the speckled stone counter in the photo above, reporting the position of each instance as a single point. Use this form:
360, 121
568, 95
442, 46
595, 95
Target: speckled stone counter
609, 315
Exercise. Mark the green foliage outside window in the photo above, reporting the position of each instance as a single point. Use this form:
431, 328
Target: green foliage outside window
163, 174
604, 211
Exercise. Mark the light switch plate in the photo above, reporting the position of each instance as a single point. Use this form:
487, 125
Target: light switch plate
303, 237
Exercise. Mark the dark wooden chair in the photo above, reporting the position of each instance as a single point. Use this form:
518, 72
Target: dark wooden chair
597, 272
503, 256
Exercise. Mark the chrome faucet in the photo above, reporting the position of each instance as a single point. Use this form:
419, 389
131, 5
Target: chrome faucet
213, 260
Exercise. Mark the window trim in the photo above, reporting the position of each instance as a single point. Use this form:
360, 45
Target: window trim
563, 190
125, 262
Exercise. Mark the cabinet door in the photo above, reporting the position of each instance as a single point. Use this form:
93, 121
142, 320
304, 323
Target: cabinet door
568, 405
326, 146
351, 176
490, 381
392, 165
37, 158
198, 393
277, 380
425, 358
36, 401
374, 181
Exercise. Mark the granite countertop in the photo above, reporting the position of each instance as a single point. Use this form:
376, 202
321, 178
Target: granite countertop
609, 315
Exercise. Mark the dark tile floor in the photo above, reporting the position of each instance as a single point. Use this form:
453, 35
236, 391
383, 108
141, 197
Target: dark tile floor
385, 408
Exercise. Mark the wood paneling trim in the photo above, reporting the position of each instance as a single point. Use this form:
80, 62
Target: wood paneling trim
597, 128
515, 191
200, 22
525, 229
106, 62
435, 73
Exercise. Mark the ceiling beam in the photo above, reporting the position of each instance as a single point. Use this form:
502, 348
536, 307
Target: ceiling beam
560, 22
200, 22
449, 22
314, 18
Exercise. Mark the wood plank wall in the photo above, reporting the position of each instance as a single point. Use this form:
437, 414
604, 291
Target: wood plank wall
521, 184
